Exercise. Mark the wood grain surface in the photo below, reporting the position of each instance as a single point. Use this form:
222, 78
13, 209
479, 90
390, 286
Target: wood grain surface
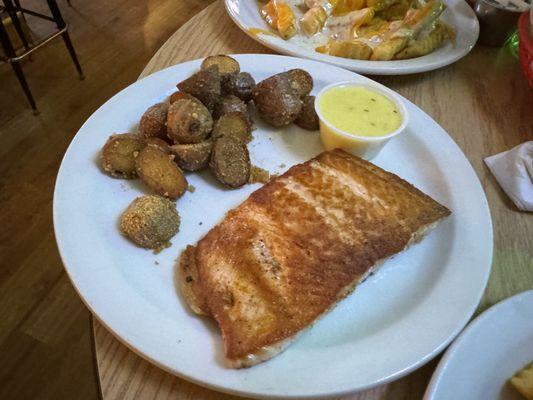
46, 344
482, 101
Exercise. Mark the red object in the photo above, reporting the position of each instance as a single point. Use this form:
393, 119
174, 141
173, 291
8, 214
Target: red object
525, 47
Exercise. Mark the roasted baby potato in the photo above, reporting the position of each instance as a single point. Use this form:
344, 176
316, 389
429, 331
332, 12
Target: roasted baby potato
159, 143
235, 125
300, 80
277, 102
204, 85
192, 157
231, 104
189, 121
179, 96
307, 118
240, 85
160, 173
226, 65
118, 155
230, 161
150, 221
154, 121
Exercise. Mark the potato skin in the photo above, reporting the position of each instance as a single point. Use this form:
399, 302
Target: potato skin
299, 80
240, 85
192, 157
308, 119
154, 121
231, 104
177, 95
233, 124
276, 101
150, 221
226, 64
158, 171
188, 121
118, 155
230, 161
205, 85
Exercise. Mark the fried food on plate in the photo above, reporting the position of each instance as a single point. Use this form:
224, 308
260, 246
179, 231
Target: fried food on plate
177, 95
118, 155
307, 118
280, 17
231, 104
340, 27
277, 102
283, 258
160, 173
226, 65
230, 161
233, 124
239, 85
150, 222
189, 121
192, 157
154, 122
299, 80
204, 85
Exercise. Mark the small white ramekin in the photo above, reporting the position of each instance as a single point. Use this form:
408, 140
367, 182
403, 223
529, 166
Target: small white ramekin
365, 147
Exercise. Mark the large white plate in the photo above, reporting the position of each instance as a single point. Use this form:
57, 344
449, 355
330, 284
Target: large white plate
394, 322
487, 353
245, 14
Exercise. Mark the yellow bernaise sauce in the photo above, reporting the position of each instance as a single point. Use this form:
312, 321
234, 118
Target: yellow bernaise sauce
359, 111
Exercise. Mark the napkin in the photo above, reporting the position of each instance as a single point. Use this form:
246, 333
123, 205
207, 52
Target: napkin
513, 170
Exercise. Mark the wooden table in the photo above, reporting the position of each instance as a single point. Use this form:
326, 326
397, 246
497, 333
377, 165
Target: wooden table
482, 101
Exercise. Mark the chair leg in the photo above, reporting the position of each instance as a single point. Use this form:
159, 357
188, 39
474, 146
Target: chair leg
10, 53
58, 18
72, 52
22, 80
12, 12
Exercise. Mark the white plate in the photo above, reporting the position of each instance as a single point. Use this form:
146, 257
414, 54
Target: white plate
490, 350
396, 321
245, 14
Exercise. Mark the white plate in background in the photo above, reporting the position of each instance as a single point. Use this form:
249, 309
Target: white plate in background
458, 14
394, 322
497, 344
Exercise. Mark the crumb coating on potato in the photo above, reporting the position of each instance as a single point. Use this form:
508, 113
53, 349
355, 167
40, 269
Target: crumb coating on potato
150, 222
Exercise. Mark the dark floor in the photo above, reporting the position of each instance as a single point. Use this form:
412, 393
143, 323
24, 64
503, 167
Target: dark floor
45, 336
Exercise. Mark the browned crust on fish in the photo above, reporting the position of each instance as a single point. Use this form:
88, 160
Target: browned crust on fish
298, 245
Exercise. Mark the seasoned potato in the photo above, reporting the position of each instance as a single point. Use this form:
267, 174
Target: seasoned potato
230, 161
192, 157
204, 85
179, 96
276, 101
233, 124
307, 118
231, 104
159, 143
301, 81
150, 221
226, 65
240, 85
160, 173
188, 121
154, 121
118, 155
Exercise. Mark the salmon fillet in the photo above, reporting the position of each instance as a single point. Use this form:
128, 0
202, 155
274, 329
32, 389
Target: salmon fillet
297, 246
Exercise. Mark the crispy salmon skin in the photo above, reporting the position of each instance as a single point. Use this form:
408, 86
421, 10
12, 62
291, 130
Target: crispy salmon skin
297, 246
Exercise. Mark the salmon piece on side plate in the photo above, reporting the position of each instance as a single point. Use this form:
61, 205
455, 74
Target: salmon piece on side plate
296, 247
